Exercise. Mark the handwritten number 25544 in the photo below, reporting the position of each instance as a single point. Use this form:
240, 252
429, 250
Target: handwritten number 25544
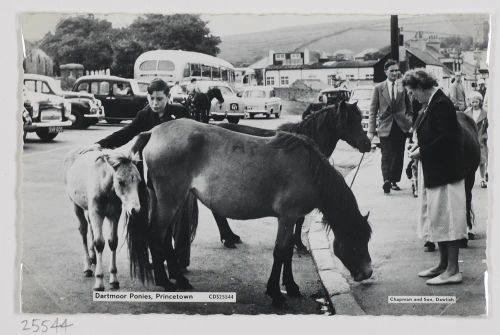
43, 326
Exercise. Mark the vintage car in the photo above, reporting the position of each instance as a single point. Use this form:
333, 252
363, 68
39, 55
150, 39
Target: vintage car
86, 109
261, 100
334, 95
48, 114
363, 95
231, 108
121, 97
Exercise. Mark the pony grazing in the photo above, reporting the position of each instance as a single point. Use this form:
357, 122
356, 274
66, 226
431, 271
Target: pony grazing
201, 103
100, 184
341, 121
246, 177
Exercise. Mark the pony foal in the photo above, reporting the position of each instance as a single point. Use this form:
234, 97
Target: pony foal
100, 184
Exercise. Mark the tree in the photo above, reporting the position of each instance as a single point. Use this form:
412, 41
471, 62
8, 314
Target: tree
81, 39
179, 31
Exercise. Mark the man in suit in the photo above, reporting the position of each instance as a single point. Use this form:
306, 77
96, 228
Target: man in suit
457, 93
392, 107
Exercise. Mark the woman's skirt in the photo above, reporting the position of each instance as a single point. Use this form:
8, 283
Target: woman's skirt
442, 211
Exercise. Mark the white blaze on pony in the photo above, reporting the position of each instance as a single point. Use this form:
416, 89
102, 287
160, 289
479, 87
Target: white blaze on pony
100, 184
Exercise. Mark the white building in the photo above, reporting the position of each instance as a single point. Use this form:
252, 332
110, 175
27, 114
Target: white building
326, 72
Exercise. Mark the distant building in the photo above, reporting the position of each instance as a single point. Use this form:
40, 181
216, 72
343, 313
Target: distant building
36, 61
328, 73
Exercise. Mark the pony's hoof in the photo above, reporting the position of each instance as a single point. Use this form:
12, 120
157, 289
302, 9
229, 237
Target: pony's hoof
115, 285
293, 291
169, 287
183, 284
278, 299
99, 289
88, 273
229, 244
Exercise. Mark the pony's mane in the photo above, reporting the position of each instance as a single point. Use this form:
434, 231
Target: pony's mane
317, 126
116, 158
310, 124
338, 203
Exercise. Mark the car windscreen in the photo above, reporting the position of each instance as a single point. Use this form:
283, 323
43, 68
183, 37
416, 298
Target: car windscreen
255, 94
362, 94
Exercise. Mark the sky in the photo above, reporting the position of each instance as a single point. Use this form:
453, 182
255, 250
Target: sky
36, 25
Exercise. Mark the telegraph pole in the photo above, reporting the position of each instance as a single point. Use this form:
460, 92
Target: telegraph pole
394, 38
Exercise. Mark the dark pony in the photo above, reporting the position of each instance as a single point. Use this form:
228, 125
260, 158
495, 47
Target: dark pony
341, 121
472, 157
200, 106
204, 152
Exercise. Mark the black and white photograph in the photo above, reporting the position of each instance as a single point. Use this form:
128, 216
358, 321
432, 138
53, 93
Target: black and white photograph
199, 164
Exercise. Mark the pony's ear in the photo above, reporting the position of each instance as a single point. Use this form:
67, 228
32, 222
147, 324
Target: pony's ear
135, 157
366, 216
355, 103
111, 160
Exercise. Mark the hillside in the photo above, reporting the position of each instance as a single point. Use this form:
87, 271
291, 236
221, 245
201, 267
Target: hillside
329, 37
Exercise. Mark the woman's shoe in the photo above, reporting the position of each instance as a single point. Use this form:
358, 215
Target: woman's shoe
432, 272
483, 184
455, 279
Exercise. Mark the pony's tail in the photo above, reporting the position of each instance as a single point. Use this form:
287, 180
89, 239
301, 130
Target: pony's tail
191, 204
138, 237
469, 184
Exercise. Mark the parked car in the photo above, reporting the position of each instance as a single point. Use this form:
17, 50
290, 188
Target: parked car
231, 108
121, 97
334, 95
48, 114
86, 109
261, 100
363, 95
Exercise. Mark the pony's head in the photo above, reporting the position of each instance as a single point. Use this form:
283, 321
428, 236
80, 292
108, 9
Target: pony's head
126, 179
349, 126
351, 247
215, 93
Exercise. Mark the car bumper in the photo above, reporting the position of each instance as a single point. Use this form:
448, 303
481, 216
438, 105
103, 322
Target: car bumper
225, 114
39, 125
258, 111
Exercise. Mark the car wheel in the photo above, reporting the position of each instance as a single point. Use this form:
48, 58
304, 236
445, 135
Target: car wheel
277, 115
45, 136
251, 116
268, 115
113, 121
233, 119
79, 121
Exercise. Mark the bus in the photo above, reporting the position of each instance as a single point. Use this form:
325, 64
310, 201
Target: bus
182, 66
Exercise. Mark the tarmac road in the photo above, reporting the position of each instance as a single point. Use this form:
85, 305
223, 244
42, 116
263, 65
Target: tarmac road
51, 256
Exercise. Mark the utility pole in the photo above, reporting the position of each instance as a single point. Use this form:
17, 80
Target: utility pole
394, 38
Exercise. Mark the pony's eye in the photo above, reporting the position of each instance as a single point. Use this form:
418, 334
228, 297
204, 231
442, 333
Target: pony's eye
121, 183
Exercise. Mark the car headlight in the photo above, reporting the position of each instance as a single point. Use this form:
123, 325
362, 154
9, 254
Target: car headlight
67, 108
36, 109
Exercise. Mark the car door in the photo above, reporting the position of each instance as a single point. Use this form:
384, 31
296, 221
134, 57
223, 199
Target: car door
101, 90
122, 98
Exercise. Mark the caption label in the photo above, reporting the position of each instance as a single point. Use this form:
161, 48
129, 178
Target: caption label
418, 299
165, 296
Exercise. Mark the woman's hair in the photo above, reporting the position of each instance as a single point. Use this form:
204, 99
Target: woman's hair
158, 84
419, 78
476, 95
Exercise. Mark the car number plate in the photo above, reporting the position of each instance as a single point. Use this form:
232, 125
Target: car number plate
53, 130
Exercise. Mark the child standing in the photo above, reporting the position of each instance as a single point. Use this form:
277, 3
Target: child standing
478, 113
